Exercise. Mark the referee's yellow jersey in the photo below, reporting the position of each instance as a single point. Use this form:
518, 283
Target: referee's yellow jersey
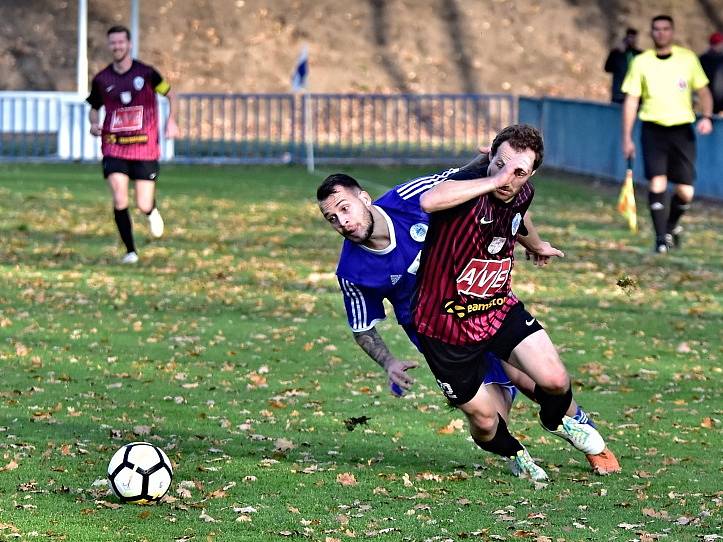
665, 85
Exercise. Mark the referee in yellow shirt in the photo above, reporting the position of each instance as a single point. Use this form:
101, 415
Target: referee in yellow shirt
665, 78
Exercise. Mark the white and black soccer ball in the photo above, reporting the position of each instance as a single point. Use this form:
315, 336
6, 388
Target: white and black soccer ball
140, 473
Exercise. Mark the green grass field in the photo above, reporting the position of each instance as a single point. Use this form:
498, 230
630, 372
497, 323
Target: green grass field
227, 346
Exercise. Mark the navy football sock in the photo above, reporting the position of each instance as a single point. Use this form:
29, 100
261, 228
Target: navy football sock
583, 417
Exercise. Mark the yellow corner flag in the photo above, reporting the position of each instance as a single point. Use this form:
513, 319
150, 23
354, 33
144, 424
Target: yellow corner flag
626, 200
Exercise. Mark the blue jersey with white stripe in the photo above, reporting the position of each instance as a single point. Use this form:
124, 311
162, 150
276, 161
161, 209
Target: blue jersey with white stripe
367, 276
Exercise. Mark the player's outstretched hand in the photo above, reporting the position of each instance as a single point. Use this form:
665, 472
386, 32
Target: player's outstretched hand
397, 371
542, 254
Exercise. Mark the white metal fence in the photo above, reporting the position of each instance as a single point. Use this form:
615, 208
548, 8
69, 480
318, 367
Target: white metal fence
270, 128
47, 126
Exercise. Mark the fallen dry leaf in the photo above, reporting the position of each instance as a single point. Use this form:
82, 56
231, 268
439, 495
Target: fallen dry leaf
141, 430
352, 422
205, 517
346, 479
12, 465
283, 445
707, 422
451, 427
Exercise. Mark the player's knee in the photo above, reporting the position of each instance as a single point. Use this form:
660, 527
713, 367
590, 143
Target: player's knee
556, 383
483, 422
487, 424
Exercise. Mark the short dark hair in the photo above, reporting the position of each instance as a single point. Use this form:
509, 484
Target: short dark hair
333, 182
662, 18
117, 29
521, 137
630, 31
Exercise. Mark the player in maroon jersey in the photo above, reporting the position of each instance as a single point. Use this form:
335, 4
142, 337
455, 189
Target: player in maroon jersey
465, 303
129, 136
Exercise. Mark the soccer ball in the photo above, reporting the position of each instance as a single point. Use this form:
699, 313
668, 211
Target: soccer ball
140, 473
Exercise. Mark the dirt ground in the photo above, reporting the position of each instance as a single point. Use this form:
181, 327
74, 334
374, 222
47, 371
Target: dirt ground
525, 47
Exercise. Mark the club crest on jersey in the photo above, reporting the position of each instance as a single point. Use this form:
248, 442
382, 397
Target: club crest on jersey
138, 82
418, 232
516, 223
394, 278
496, 245
125, 97
484, 278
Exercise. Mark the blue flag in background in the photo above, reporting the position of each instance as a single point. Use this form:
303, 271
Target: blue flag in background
298, 80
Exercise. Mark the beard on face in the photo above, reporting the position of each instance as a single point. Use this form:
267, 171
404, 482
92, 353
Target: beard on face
367, 233
119, 54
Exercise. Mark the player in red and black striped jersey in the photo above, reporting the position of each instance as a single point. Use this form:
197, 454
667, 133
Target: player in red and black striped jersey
127, 90
465, 305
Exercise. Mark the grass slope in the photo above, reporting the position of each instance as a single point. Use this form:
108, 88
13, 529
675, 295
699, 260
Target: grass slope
227, 346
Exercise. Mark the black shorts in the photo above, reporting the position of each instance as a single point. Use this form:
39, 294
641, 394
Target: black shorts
670, 151
144, 170
460, 369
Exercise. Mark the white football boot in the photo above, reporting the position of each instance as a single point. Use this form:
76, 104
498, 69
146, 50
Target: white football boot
582, 436
523, 466
130, 257
155, 221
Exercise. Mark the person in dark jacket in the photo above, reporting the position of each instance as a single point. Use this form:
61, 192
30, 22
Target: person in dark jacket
618, 61
712, 62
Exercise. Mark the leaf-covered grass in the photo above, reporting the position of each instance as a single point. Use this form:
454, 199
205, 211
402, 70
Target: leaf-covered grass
227, 346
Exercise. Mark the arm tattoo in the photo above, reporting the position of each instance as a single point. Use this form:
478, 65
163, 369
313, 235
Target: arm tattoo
371, 342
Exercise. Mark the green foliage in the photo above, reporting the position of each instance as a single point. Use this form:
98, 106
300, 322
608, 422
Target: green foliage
227, 347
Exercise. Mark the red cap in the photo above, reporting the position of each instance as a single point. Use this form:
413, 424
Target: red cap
715, 38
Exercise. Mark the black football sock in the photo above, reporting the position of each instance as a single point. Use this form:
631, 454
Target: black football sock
552, 407
658, 213
123, 221
502, 443
678, 207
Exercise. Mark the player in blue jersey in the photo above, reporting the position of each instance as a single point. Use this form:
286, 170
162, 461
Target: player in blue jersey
379, 260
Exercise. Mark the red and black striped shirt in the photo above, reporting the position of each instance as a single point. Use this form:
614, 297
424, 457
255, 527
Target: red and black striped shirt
130, 127
463, 285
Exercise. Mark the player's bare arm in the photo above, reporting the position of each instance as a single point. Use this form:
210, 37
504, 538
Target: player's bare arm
630, 110
536, 249
705, 102
171, 126
451, 193
372, 343
94, 118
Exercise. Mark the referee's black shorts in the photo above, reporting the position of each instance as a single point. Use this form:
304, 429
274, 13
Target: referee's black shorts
670, 151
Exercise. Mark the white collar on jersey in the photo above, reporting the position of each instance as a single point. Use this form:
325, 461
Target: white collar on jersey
392, 235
